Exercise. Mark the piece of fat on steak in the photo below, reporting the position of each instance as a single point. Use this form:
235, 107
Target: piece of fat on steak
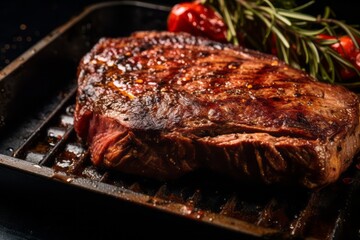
160, 105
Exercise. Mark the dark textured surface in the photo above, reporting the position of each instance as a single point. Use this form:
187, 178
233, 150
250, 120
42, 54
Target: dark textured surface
23, 23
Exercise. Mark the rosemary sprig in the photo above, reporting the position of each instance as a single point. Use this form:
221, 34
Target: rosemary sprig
266, 25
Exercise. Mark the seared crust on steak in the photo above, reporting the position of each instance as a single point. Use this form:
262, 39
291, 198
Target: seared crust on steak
162, 104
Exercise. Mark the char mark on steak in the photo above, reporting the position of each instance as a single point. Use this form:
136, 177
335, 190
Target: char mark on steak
162, 104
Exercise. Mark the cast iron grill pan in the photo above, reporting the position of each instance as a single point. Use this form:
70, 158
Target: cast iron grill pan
40, 87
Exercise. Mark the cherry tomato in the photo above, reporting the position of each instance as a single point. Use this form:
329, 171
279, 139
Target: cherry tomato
347, 49
197, 19
354, 58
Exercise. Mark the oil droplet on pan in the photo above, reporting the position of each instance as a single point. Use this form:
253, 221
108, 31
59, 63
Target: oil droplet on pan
10, 149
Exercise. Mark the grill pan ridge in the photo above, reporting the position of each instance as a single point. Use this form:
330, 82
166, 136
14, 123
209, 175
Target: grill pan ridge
43, 143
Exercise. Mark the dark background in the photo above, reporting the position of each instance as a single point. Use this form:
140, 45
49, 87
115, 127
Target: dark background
54, 211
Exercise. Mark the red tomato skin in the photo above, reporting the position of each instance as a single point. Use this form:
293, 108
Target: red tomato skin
197, 19
346, 49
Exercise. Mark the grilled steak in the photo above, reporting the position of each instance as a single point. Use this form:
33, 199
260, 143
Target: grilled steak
162, 104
